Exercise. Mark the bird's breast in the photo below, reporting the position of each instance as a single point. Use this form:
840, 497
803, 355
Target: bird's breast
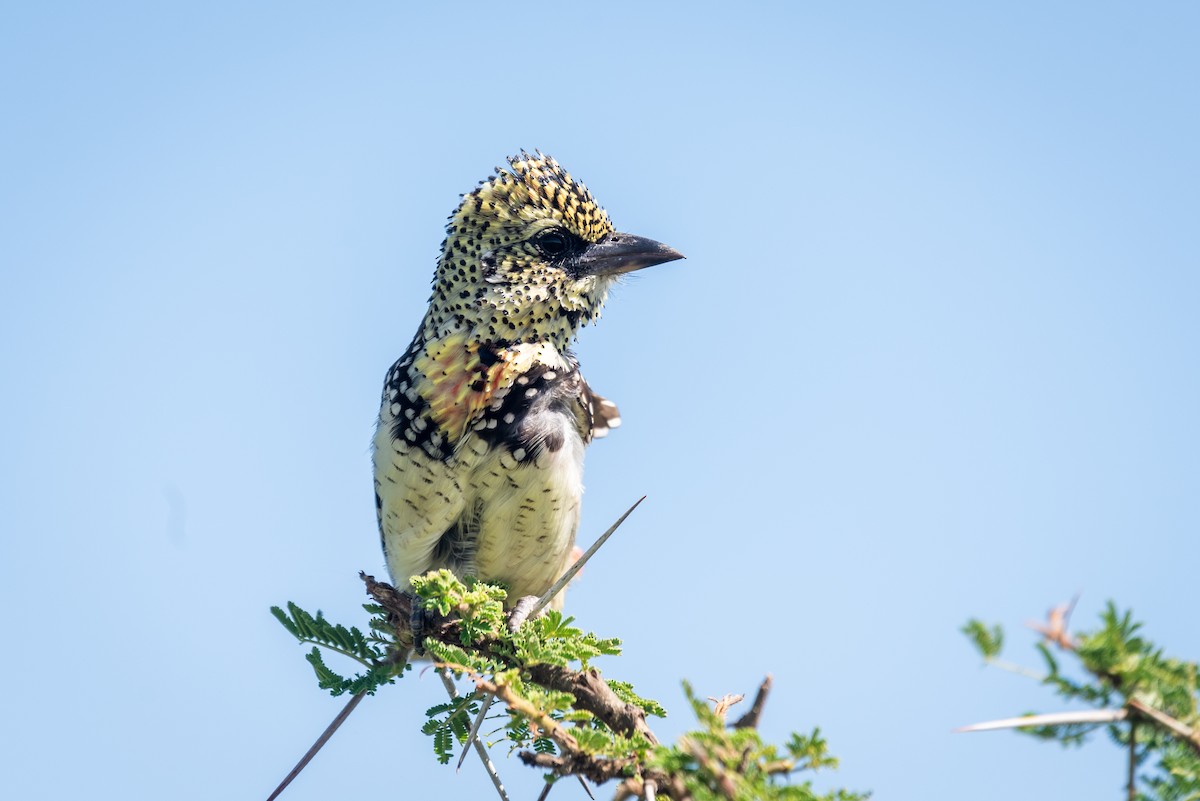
504, 428
525, 483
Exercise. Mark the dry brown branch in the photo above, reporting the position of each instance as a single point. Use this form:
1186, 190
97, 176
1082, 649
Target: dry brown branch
726, 784
752, 716
576, 763
599, 770
549, 725
630, 788
648, 789
593, 694
1177, 727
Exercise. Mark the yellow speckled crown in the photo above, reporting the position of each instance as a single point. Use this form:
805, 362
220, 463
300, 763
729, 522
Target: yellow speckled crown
537, 186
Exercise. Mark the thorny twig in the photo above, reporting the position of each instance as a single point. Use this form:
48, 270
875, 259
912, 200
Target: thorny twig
473, 734
480, 748
333, 726
400, 656
399, 607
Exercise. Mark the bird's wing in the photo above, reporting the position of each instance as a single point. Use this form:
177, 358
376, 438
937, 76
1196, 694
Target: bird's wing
417, 492
417, 499
605, 415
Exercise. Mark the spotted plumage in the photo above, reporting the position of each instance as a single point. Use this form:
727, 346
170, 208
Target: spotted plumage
484, 418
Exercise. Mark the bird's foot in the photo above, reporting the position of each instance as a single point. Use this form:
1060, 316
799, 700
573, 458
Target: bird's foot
520, 611
416, 622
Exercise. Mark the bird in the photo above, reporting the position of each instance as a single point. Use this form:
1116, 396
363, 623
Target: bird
479, 447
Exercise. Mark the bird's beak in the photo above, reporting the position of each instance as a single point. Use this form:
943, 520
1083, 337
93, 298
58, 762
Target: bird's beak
623, 253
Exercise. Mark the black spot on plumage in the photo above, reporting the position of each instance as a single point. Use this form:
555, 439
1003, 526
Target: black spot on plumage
487, 355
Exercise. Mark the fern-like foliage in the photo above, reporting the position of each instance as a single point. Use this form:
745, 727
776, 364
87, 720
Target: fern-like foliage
552, 640
624, 691
478, 606
369, 650
450, 723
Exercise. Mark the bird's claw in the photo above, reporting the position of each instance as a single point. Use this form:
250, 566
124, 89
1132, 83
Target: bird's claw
416, 622
520, 611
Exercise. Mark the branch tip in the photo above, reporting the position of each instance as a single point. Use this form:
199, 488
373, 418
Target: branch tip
751, 718
574, 569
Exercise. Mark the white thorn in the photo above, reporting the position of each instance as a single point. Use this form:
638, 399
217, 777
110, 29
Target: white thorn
488, 698
479, 748
580, 562
1050, 719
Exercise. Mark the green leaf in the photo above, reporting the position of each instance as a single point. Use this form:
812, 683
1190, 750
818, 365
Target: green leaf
988, 641
624, 691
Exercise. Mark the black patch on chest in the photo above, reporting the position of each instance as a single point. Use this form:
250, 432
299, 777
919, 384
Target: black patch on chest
530, 416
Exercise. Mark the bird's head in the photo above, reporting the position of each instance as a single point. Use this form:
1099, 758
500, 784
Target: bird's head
529, 256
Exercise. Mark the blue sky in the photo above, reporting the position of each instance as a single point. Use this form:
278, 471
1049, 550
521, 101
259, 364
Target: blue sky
932, 356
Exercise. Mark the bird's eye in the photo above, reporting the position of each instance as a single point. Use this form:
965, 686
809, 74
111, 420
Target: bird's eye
552, 243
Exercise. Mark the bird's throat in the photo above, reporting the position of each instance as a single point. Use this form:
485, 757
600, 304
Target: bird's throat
462, 376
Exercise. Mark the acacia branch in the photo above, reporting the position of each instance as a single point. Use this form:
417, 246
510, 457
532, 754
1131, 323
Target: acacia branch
591, 691
750, 719
1177, 727
647, 781
592, 694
